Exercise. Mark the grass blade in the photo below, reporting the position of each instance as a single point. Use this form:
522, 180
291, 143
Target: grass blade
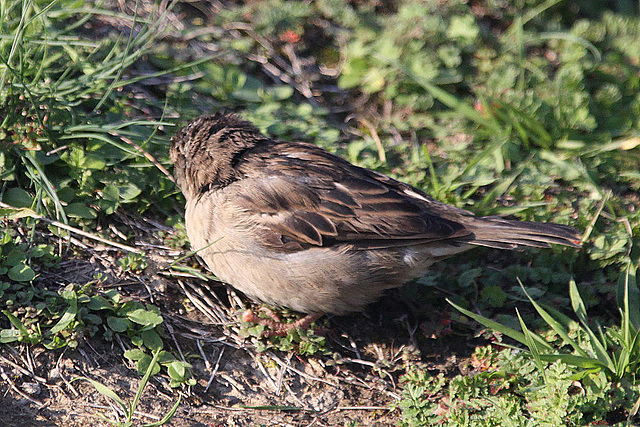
554, 324
143, 383
587, 363
628, 296
19, 325
105, 391
492, 324
70, 313
533, 347
597, 343
454, 103
168, 416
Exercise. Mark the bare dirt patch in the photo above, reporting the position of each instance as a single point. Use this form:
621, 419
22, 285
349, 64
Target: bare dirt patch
355, 381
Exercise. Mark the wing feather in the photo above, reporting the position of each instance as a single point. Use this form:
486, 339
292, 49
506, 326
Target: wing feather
323, 200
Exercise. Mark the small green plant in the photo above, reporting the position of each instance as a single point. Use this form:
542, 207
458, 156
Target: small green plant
506, 388
16, 255
128, 409
179, 371
133, 262
602, 362
58, 319
613, 350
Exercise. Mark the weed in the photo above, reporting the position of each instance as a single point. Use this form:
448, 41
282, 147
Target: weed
129, 409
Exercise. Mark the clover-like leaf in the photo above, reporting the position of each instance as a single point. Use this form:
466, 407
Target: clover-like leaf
144, 317
21, 273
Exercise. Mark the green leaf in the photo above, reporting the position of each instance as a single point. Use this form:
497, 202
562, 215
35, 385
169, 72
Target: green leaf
151, 339
280, 93
374, 80
493, 295
128, 307
15, 213
576, 302
17, 197
555, 325
110, 192
168, 416
491, 324
528, 126
144, 317
128, 191
110, 199
43, 159
113, 295
38, 251
463, 27
94, 162
17, 256
598, 345
531, 344
92, 318
117, 324
177, 370
468, 277
80, 210
628, 296
70, 313
98, 303
24, 333
134, 354
462, 108
578, 361
66, 194
9, 335
353, 73
107, 206
166, 358
137, 340
145, 365
21, 273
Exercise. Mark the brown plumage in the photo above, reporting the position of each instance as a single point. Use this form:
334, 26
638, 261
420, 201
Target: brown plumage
296, 226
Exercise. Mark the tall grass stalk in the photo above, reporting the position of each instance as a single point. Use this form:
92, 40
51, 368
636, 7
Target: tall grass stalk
57, 83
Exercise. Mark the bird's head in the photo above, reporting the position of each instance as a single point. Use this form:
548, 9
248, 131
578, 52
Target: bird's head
205, 152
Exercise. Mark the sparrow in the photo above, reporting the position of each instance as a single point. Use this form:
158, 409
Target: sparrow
291, 225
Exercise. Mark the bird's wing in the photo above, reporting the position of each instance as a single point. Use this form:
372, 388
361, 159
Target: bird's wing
307, 197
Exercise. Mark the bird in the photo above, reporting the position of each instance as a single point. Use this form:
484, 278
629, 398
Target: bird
291, 225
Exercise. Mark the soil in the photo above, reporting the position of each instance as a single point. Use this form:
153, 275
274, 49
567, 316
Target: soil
354, 382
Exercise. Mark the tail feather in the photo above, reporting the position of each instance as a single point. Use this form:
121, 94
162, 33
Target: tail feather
496, 232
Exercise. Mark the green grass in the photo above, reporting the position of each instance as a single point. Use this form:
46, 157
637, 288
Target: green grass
526, 108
